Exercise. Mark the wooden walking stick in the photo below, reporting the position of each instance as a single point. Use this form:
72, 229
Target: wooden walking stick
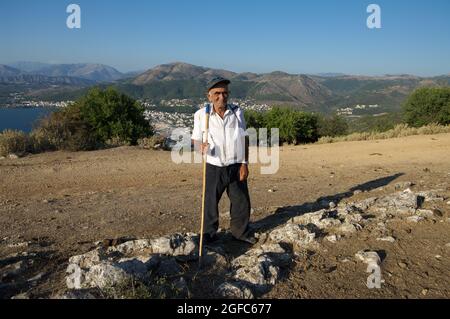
200, 253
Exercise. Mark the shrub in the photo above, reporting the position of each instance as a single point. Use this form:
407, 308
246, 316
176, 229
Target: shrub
332, 126
39, 142
112, 115
254, 119
116, 141
295, 127
14, 142
370, 123
428, 105
153, 142
67, 130
153, 287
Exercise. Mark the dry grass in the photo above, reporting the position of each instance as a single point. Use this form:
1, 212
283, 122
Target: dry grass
155, 141
13, 142
400, 130
21, 143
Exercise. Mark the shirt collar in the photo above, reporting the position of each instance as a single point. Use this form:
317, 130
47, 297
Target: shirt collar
214, 112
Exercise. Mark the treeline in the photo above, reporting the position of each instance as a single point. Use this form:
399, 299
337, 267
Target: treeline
425, 106
296, 127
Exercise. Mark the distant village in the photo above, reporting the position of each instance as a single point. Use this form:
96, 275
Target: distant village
248, 104
351, 110
18, 100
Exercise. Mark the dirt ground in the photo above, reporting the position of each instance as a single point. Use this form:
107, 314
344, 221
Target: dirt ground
58, 204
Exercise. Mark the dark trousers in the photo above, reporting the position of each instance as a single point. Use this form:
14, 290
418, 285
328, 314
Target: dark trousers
217, 180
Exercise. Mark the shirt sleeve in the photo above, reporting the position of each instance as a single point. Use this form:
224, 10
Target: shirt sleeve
197, 132
242, 123
243, 129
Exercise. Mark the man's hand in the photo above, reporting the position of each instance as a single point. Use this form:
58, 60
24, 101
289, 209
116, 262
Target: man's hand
243, 172
204, 148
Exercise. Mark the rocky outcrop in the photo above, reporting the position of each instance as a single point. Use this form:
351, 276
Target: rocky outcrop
254, 272
105, 267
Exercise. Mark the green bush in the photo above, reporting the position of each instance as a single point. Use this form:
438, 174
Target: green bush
428, 105
14, 142
370, 123
39, 142
111, 115
254, 119
332, 126
295, 127
67, 130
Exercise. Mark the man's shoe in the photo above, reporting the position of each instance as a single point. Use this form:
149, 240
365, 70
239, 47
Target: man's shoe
208, 238
247, 239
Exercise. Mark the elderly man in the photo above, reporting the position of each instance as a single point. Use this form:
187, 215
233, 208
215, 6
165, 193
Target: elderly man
226, 161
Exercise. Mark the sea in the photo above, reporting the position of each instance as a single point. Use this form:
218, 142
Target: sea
22, 118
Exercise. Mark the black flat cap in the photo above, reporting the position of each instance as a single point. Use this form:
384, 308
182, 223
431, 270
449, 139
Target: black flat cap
211, 84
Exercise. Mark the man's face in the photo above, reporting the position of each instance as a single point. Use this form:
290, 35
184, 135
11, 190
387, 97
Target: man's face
219, 95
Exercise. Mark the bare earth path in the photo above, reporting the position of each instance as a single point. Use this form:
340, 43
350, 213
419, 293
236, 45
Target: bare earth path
61, 203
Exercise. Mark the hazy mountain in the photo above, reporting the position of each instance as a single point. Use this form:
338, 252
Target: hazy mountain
443, 80
43, 80
38, 86
330, 74
8, 71
247, 76
88, 71
12, 76
93, 72
132, 74
28, 67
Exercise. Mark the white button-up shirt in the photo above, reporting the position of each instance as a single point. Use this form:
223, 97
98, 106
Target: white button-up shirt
226, 136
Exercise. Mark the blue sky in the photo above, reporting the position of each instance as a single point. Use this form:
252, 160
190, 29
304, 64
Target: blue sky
246, 35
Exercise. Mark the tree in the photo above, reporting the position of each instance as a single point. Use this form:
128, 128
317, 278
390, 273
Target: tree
332, 126
65, 129
113, 115
295, 126
254, 119
428, 105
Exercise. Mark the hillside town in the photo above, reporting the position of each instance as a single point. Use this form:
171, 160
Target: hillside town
19, 100
350, 110
246, 104
164, 122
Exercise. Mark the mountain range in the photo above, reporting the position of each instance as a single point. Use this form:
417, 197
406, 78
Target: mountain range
86, 71
322, 92
11, 76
